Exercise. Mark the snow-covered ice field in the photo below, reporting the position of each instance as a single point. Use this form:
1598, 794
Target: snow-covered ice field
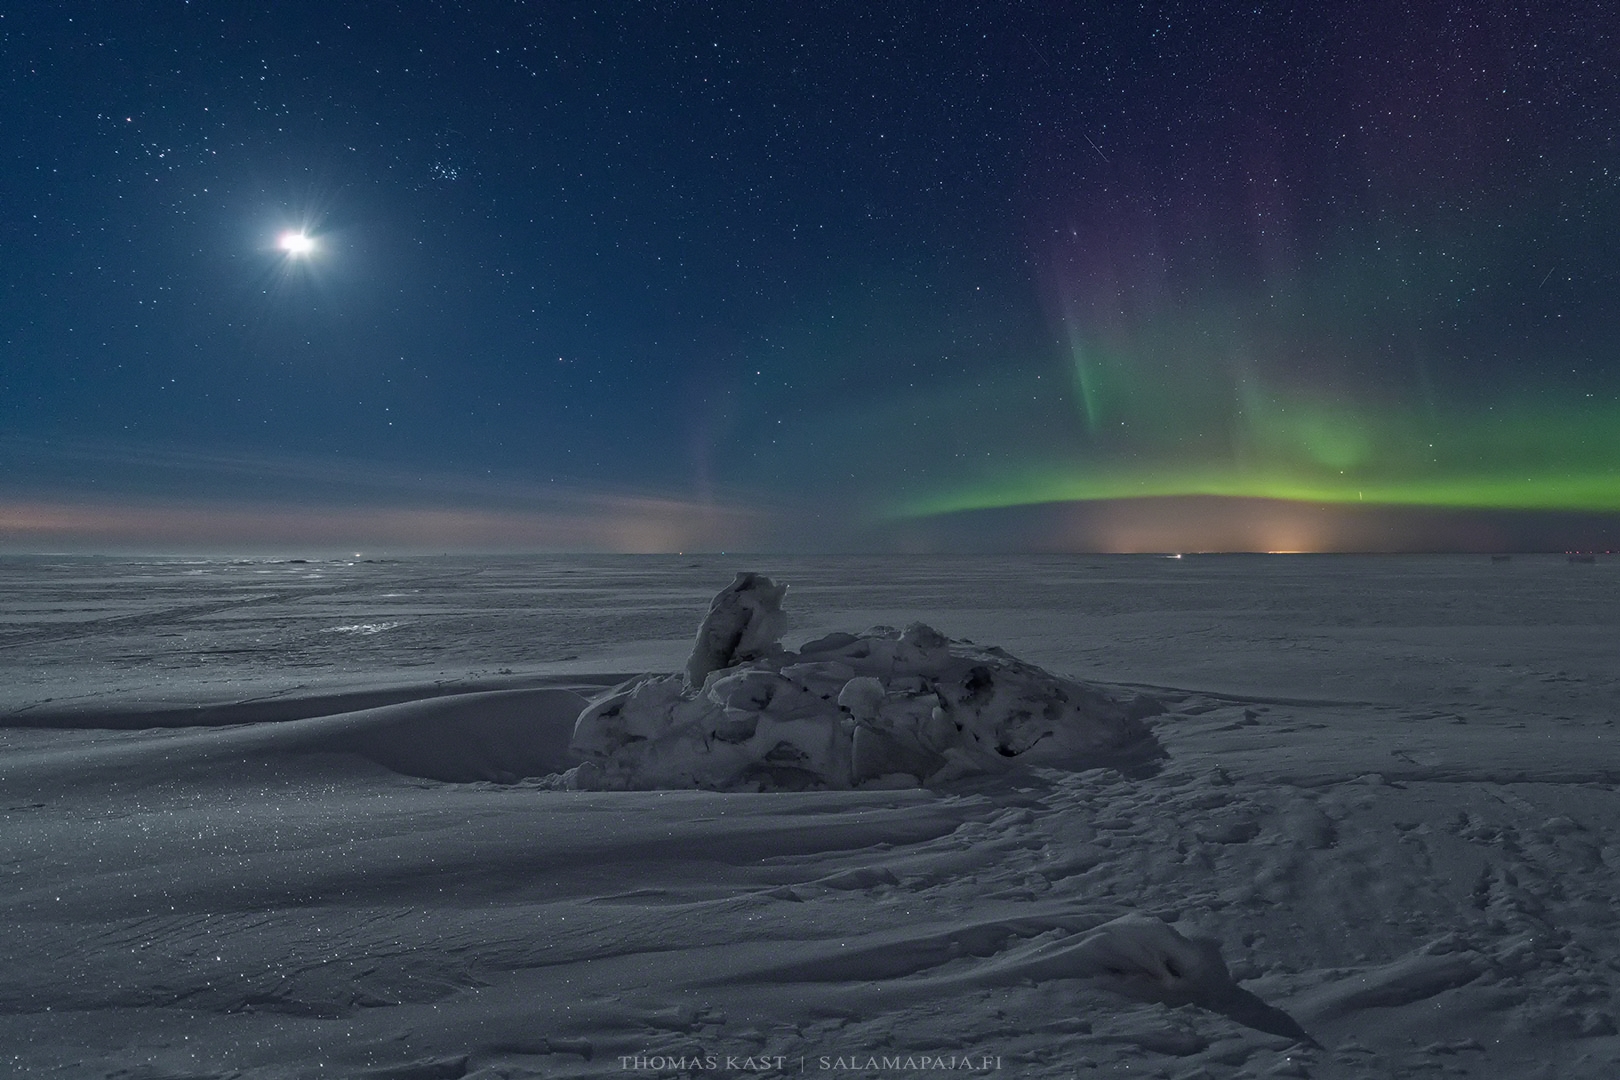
287, 819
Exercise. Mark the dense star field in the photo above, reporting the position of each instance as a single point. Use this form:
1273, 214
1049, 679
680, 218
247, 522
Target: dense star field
892, 277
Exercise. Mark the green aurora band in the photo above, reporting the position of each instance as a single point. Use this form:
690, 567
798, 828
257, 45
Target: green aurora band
1543, 456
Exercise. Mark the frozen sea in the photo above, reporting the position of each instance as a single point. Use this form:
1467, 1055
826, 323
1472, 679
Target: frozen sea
300, 819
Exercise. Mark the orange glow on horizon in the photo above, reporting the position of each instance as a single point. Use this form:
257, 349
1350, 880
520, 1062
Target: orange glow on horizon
618, 524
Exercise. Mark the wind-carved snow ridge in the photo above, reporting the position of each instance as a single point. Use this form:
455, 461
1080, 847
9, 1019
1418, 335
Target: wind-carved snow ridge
883, 708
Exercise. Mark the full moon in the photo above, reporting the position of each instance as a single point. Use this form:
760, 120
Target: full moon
297, 243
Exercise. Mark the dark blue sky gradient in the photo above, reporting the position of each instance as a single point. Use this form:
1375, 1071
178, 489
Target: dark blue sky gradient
676, 275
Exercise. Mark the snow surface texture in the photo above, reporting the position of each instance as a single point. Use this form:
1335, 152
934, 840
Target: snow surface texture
888, 708
239, 840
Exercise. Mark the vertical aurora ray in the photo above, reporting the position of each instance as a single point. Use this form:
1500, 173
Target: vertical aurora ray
1083, 366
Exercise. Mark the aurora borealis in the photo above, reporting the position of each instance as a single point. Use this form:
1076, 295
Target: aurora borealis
1183, 432
689, 276
1294, 391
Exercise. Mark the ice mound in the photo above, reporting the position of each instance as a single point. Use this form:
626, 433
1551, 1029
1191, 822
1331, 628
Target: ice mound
885, 707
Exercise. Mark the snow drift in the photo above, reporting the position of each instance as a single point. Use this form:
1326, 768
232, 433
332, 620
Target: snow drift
883, 708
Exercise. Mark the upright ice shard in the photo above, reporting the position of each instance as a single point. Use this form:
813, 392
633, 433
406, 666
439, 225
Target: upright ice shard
745, 622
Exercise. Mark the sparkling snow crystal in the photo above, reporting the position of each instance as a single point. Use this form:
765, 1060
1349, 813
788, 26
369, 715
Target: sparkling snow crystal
882, 708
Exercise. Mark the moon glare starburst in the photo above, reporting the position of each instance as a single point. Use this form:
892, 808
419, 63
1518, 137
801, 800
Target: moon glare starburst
296, 244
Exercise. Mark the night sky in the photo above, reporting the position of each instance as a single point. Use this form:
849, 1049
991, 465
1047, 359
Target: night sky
809, 276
